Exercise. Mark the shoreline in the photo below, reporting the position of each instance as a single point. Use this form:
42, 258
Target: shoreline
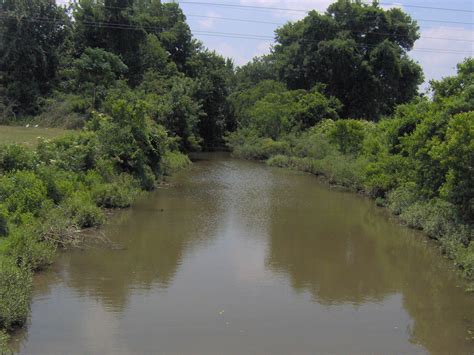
323, 178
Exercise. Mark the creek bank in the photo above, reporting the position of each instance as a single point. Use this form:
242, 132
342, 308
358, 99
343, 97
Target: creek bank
430, 218
66, 185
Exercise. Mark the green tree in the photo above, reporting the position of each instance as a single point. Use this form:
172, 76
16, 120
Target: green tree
213, 75
348, 135
123, 27
259, 69
243, 100
96, 71
359, 51
30, 50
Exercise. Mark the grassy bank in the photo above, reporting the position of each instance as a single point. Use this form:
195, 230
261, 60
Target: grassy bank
50, 193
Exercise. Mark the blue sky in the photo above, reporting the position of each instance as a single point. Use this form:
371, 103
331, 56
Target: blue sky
435, 65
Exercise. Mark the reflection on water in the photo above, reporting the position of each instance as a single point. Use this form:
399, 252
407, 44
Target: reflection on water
240, 258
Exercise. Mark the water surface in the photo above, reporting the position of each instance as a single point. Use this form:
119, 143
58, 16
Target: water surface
240, 258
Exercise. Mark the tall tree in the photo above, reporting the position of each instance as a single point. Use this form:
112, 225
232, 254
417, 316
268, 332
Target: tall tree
213, 75
359, 51
31, 35
126, 27
109, 24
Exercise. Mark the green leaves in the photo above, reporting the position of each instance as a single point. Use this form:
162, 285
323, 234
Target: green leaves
30, 52
358, 51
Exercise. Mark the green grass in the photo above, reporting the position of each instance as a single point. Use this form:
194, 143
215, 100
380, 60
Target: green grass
27, 136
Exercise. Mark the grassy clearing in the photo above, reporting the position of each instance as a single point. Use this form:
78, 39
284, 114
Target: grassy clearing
27, 136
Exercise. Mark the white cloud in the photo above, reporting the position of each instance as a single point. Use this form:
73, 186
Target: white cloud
436, 64
210, 21
230, 51
239, 52
391, 6
319, 5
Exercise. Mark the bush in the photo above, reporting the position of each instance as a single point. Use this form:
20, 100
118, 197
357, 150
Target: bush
22, 192
27, 249
15, 157
173, 162
64, 110
104, 170
402, 198
384, 174
261, 148
436, 217
343, 171
60, 184
348, 135
74, 152
147, 178
340, 171
15, 292
83, 210
3, 221
118, 194
313, 145
295, 163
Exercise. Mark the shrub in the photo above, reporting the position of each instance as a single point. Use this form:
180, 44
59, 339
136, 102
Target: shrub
384, 174
64, 110
436, 217
75, 151
83, 210
295, 163
22, 192
26, 247
402, 197
60, 184
174, 161
118, 194
15, 292
130, 139
261, 148
3, 221
462, 255
147, 178
281, 161
104, 170
313, 145
343, 171
348, 135
15, 157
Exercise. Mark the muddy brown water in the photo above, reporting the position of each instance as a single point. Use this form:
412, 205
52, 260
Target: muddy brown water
240, 258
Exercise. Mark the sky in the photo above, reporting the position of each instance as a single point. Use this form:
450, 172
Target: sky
436, 63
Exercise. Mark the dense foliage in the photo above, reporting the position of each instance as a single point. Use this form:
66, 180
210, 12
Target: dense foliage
358, 51
64, 68
418, 162
30, 50
49, 194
